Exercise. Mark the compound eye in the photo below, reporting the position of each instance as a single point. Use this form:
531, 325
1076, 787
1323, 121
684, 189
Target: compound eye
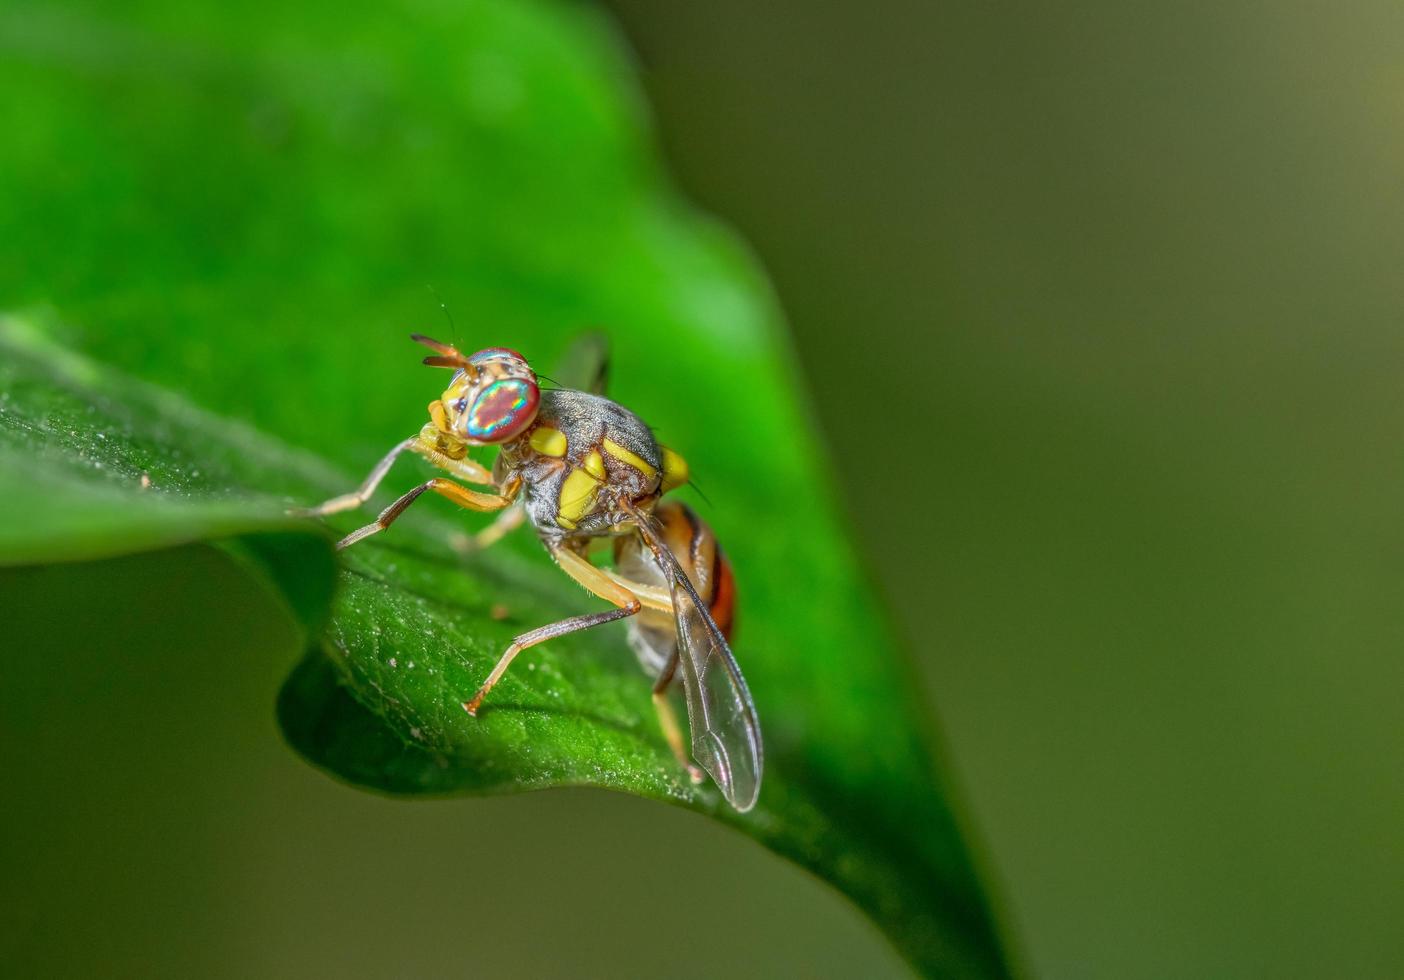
502, 410
505, 357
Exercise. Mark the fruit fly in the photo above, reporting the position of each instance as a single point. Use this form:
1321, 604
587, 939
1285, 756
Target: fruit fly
582, 468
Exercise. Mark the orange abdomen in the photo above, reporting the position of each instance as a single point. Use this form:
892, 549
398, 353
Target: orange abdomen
696, 548
653, 634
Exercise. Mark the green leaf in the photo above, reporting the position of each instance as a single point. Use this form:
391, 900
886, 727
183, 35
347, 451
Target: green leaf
249, 220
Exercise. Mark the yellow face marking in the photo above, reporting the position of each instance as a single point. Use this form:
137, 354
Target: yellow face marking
628, 458
577, 498
437, 415
675, 472
548, 441
594, 464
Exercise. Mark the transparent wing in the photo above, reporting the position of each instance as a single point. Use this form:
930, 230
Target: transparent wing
726, 738
585, 364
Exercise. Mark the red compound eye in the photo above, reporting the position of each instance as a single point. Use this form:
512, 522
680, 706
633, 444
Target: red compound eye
499, 354
502, 410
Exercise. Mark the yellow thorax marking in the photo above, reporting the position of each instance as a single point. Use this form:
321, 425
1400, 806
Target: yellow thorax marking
675, 472
627, 458
594, 464
577, 497
548, 441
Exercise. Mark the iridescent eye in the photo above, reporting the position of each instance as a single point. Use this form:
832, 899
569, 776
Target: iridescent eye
501, 355
502, 410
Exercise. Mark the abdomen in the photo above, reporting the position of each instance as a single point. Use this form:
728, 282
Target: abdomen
653, 634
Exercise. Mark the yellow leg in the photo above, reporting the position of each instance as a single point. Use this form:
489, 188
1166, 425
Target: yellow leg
668, 720
593, 579
598, 581
619, 591
604, 583
357, 497
462, 496
541, 635
652, 596
465, 469
507, 522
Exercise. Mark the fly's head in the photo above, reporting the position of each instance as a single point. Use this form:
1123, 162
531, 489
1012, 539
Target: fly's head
492, 397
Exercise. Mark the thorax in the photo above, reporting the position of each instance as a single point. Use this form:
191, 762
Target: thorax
583, 454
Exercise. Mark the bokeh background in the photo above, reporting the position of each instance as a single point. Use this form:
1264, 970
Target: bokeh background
1103, 313
1102, 316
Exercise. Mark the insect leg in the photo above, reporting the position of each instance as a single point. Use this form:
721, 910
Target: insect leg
507, 522
350, 501
652, 596
541, 635
466, 469
668, 719
462, 496
607, 585
593, 579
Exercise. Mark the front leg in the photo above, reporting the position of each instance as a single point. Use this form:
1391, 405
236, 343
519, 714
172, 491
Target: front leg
462, 496
357, 497
465, 469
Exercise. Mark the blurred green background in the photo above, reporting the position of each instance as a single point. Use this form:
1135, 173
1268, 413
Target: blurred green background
1102, 315
1128, 279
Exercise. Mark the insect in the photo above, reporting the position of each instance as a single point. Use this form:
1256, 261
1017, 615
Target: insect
586, 471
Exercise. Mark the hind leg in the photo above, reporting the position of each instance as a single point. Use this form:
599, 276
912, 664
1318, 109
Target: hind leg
668, 719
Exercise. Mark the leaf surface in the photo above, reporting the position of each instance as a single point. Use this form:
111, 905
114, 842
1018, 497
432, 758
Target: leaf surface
252, 217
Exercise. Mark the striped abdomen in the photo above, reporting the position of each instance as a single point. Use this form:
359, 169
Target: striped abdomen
653, 634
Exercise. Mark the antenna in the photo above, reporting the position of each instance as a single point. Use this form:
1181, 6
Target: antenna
448, 355
453, 327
